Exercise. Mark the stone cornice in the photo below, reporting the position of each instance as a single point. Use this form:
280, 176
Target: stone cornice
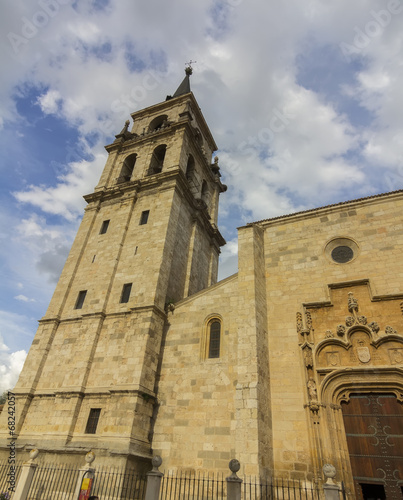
315, 212
170, 179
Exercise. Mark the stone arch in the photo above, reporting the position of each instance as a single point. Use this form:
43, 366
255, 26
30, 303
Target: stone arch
338, 385
205, 193
198, 137
157, 123
212, 337
127, 168
190, 167
157, 159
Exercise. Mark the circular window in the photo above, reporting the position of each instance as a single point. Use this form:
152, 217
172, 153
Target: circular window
341, 250
342, 254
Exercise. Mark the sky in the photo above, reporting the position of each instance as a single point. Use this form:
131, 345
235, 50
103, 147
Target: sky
303, 99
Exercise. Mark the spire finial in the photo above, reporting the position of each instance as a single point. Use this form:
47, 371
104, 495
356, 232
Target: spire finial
189, 69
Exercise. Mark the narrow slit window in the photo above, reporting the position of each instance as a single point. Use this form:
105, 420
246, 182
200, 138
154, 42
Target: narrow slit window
126, 290
144, 217
92, 422
80, 299
104, 227
215, 338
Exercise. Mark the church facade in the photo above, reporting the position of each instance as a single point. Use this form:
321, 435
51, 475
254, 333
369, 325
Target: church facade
294, 362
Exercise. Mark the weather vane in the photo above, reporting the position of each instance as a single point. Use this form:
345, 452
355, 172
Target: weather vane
189, 68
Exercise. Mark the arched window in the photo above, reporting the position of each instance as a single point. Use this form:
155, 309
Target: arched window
127, 168
157, 159
205, 194
198, 137
190, 168
214, 339
158, 123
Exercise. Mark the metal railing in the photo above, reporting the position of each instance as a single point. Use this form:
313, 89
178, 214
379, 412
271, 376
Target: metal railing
254, 488
214, 487
195, 487
53, 482
113, 483
5, 470
58, 482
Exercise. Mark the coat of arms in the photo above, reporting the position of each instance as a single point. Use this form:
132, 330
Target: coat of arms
363, 352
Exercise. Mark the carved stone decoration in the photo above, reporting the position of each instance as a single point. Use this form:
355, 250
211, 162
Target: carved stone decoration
329, 471
341, 330
401, 306
308, 358
363, 353
312, 391
352, 303
389, 330
329, 334
396, 356
362, 320
34, 453
299, 322
90, 457
308, 320
350, 321
312, 396
333, 358
374, 327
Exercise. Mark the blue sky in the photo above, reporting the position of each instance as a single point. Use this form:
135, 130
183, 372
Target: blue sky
303, 98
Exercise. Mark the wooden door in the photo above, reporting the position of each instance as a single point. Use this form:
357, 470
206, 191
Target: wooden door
374, 429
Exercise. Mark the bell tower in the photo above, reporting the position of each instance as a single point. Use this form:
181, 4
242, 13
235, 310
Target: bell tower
148, 238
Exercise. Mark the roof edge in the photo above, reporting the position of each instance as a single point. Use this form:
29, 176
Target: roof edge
318, 209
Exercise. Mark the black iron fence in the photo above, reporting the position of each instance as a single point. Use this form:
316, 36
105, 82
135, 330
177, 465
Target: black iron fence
193, 487
254, 488
214, 487
9, 474
60, 482
53, 482
112, 483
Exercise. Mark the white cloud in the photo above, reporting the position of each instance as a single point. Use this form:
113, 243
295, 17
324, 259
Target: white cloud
49, 102
23, 298
229, 259
91, 68
12, 326
66, 198
10, 367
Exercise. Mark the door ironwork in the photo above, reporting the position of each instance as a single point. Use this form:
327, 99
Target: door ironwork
374, 429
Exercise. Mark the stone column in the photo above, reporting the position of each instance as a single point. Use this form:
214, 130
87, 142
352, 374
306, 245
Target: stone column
85, 472
27, 474
233, 481
330, 488
154, 478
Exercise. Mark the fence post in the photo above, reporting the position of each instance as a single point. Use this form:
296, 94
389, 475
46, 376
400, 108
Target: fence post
330, 488
154, 478
85, 470
233, 481
27, 474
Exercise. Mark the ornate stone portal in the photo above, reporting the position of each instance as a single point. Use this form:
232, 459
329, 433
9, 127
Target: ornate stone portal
364, 357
